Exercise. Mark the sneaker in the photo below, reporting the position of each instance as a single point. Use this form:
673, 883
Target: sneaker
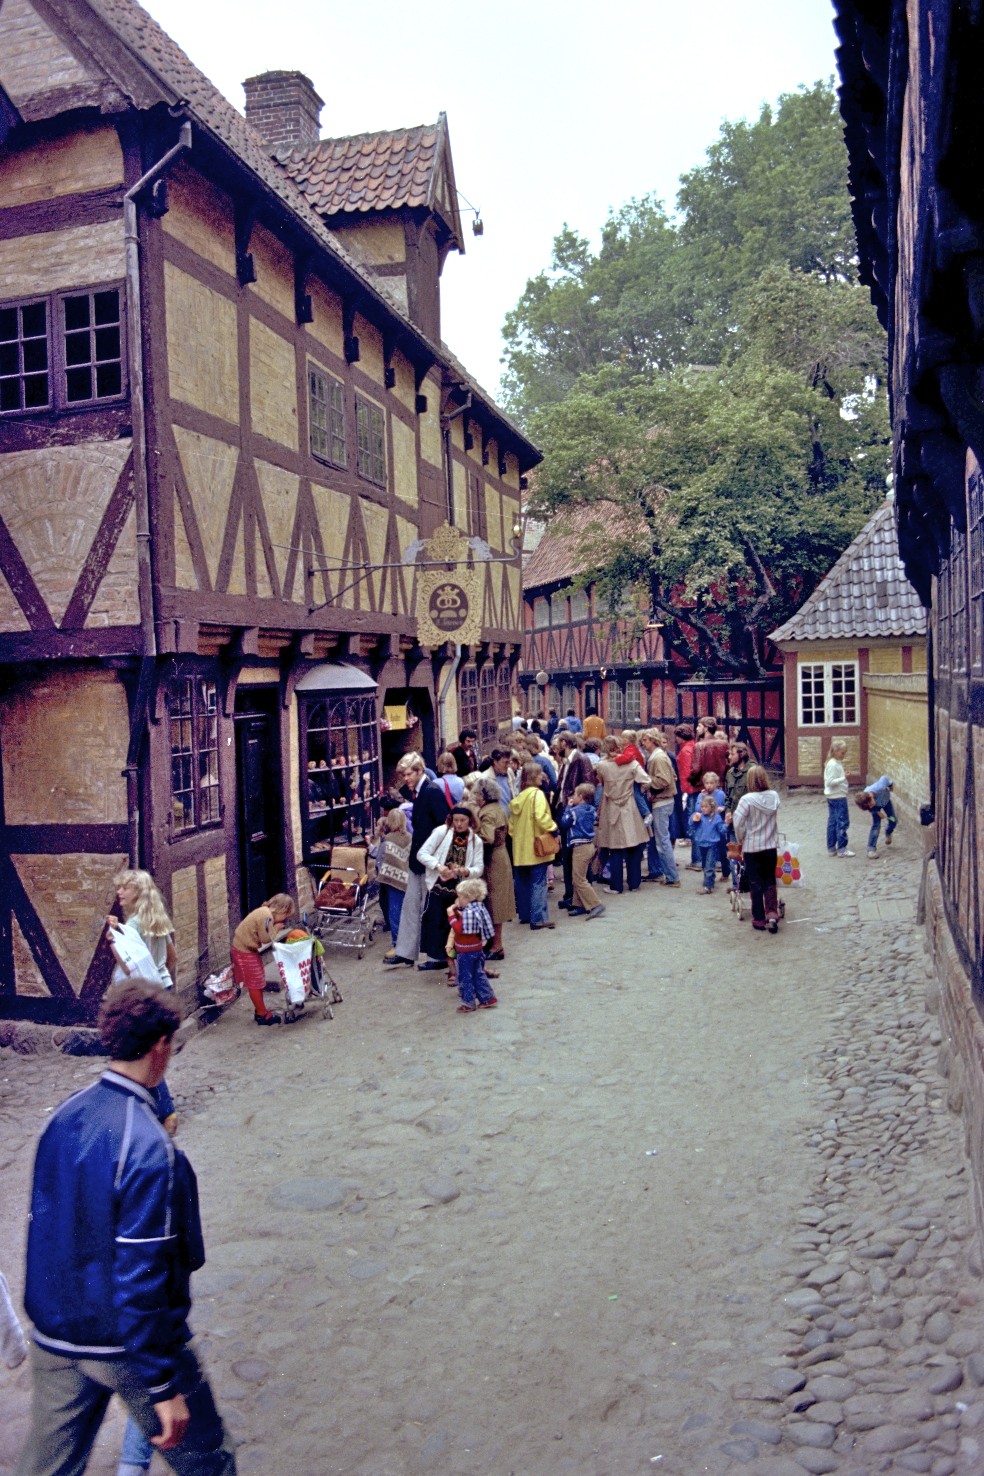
598, 911
467, 1009
845, 853
670, 884
267, 1019
577, 912
694, 866
831, 853
611, 892
872, 855
772, 923
707, 891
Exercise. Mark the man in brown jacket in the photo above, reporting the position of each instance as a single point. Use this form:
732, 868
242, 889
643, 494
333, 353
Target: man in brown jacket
662, 793
710, 752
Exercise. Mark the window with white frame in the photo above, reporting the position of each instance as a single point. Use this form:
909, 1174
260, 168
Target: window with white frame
828, 694
541, 614
616, 703
633, 700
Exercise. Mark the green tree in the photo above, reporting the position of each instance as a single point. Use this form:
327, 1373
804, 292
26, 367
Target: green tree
714, 384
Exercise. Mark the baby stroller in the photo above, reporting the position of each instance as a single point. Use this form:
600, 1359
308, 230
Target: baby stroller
300, 966
739, 894
346, 903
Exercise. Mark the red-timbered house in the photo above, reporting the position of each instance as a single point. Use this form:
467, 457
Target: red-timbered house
227, 421
580, 652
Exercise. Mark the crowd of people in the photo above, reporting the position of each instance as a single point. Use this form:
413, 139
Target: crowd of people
564, 806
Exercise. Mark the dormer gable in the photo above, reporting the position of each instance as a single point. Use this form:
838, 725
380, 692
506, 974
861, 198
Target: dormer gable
391, 197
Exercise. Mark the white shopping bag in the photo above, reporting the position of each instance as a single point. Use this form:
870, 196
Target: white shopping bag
294, 967
134, 959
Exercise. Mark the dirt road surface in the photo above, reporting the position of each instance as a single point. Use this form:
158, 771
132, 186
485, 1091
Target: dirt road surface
689, 1201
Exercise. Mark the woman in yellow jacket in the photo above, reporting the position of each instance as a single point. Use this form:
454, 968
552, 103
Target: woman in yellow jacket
529, 816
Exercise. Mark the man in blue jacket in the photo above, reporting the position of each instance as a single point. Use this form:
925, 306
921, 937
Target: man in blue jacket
114, 1236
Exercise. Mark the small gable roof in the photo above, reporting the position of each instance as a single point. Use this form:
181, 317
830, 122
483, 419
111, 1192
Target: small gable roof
393, 169
866, 593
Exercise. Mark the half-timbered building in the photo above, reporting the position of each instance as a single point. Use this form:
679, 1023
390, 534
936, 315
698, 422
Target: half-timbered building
911, 74
582, 650
228, 425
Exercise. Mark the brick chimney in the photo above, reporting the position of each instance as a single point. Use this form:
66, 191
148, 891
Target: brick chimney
284, 109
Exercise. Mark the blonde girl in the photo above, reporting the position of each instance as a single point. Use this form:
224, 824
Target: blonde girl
257, 929
835, 789
143, 909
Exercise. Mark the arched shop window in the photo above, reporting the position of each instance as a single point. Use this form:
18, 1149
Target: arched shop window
340, 775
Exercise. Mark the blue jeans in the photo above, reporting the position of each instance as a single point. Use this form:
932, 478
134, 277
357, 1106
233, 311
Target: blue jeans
136, 1449
470, 970
391, 906
891, 822
531, 893
709, 856
837, 822
662, 844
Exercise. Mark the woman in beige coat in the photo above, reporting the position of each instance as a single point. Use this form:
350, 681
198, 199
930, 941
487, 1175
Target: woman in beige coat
493, 825
620, 829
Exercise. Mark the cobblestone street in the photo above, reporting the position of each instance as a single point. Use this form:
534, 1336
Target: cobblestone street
691, 1200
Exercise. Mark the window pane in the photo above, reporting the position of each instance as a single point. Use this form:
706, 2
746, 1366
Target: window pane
107, 306
78, 385
8, 325
35, 391
10, 398
77, 348
109, 381
34, 320
107, 344
76, 312
34, 354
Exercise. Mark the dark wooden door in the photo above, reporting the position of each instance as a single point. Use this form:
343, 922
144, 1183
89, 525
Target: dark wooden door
260, 818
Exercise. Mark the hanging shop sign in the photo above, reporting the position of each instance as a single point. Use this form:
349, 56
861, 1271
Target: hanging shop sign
449, 599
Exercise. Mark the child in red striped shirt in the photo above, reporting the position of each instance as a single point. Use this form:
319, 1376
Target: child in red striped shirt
472, 928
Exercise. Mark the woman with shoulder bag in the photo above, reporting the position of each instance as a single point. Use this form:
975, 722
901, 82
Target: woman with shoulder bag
535, 842
450, 854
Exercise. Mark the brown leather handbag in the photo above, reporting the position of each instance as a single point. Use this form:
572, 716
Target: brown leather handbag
546, 846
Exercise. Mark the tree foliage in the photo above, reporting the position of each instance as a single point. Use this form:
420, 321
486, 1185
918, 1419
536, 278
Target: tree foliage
715, 384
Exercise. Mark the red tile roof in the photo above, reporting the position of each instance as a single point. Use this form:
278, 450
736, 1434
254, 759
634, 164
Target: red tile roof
564, 549
369, 171
866, 593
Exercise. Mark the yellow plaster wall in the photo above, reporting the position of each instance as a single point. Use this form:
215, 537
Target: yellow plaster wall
405, 463
90, 159
278, 489
273, 390
885, 659
201, 216
254, 675
184, 915
210, 470
898, 734
370, 348
201, 345
64, 742
70, 893
430, 425
327, 324
809, 757
461, 498
919, 656
217, 908
53, 501
378, 242
405, 388
77, 257
274, 271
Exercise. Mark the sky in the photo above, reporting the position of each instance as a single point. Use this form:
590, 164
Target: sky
557, 113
